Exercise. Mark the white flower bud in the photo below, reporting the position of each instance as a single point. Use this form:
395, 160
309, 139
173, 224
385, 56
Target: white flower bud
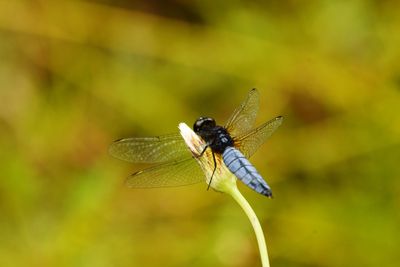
222, 179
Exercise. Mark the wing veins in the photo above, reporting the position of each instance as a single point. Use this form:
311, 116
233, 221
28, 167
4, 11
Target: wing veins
157, 149
170, 174
244, 116
249, 142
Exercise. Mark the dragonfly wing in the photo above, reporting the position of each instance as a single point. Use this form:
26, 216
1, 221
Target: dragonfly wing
249, 142
170, 174
243, 118
157, 149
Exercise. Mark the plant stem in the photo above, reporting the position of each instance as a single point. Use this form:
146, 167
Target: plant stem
235, 193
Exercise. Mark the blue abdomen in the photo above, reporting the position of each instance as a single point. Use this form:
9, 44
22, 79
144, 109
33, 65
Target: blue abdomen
239, 165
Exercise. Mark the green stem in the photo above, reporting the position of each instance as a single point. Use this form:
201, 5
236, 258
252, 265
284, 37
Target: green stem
234, 192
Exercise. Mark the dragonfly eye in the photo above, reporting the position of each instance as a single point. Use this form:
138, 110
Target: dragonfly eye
203, 123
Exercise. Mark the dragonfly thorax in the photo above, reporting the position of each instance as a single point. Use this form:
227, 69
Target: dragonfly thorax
216, 137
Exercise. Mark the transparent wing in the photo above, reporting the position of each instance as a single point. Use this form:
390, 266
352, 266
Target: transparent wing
243, 118
249, 142
175, 173
157, 149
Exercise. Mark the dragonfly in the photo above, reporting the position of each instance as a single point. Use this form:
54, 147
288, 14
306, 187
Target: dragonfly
174, 165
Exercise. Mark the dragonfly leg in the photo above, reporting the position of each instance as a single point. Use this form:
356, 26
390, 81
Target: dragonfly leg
215, 167
202, 152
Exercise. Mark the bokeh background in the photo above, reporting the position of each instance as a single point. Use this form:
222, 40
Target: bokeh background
76, 75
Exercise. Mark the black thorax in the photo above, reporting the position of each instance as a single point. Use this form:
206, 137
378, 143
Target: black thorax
217, 138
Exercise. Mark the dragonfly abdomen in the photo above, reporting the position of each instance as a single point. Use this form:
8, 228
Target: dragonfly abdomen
238, 164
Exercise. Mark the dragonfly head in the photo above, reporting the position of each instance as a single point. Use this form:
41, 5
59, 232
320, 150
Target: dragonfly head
203, 123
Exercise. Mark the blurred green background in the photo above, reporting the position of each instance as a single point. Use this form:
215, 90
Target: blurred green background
76, 75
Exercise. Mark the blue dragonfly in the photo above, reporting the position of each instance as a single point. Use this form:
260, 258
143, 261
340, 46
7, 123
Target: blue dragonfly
175, 166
